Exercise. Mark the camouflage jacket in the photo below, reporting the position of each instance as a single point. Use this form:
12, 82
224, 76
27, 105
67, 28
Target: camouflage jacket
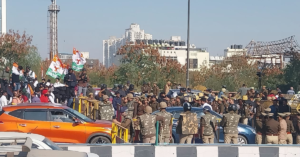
230, 123
209, 124
168, 120
106, 110
147, 124
130, 107
187, 123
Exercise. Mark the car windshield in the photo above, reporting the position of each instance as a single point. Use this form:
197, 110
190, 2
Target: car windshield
79, 115
52, 145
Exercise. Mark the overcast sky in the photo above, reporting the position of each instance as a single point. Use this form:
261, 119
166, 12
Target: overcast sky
215, 24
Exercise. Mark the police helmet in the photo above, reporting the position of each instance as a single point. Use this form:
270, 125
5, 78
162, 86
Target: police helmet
131, 86
104, 86
120, 86
232, 107
187, 106
183, 89
115, 85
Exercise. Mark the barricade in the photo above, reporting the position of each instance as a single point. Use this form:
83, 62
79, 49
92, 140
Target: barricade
119, 134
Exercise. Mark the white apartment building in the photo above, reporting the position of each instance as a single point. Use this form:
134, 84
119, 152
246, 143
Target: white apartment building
3, 17
112, 45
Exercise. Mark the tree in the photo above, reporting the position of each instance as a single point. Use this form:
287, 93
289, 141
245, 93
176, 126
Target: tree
32, 59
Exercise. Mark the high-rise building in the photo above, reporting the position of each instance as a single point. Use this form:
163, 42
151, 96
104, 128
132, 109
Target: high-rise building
111, 46
3, 17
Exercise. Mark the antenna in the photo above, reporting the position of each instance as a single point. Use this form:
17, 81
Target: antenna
32, 130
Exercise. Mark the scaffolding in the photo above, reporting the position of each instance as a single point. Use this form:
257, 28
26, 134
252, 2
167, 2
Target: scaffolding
53, 10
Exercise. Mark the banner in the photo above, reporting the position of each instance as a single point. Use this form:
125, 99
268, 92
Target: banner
78, 60
55, 69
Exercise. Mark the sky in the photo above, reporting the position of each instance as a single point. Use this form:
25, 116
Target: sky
215, 24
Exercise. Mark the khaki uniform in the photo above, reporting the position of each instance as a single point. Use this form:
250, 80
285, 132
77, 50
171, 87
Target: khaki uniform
154, 105
282, 133
259, 130
245, 112
130, 107
127, 123
164, 134
208, 121
230, 123
187, 127
221, 108
106, 111
290, 129
297, 129
147, 124
177, 104
156, 91
272, 130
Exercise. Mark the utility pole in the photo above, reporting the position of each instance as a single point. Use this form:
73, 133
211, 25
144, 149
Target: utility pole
188, 47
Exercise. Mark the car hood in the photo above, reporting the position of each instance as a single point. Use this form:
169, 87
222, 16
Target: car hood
102, 123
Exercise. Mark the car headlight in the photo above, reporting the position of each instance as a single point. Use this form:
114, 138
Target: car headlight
253, 130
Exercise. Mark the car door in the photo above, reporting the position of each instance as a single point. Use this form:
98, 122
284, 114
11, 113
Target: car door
63, 128
34, 121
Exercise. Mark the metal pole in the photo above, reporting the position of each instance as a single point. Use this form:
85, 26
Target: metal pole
188, 47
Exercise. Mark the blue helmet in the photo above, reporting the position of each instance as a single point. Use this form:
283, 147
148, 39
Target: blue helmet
187, 106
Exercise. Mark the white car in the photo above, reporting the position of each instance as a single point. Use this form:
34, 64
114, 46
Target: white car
38, 141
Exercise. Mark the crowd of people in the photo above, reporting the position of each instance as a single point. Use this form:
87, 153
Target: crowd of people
122, 105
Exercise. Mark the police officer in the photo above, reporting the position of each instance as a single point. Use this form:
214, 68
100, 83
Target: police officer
272, 129
130, 90
106, 109
182, 92
290, 128
147, 123
297, 127
165, 133
259, 128
187, 124
282, 137
127, 123
130, 104
245, 111
230, 123
208, 126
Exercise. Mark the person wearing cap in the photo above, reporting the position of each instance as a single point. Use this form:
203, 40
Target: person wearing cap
147, 124
167, 87
187, 124
178, 101
272, 129
290, 128
221, 106
182, 92
155, 88
106, 109
259, 128
208, 126
244, 110
145, 89
282, 137
130, 104
204, 103
165, 134
274, 108
128, 124
154, 104
117, 100
258, 109
230, 123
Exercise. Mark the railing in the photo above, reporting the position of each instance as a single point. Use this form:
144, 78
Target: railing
89, 108
119, 134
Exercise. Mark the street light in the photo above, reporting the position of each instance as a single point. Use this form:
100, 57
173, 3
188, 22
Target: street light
188, 47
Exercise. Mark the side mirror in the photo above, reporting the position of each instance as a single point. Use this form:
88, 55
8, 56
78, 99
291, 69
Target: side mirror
77, 121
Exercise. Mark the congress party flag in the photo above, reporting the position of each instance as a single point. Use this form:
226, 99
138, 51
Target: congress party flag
78, 60
55, 68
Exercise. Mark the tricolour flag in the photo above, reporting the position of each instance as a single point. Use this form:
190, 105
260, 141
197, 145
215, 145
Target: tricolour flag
78, 60
55, 68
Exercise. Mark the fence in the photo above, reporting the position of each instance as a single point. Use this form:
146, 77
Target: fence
119, 134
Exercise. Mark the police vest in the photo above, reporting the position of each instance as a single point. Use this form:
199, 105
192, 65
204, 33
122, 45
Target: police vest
106, 111
231, 125
168, 117
130, 107
189, 123
148, 124
208, 128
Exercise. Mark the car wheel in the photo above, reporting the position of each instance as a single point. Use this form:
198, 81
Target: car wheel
100, 140
242, 140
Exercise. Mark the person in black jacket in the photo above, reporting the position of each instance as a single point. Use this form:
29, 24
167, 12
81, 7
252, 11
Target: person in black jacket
70, 80
121, 91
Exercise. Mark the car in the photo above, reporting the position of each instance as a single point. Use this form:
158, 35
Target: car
175, 92
60, 124
38, 141
246, 132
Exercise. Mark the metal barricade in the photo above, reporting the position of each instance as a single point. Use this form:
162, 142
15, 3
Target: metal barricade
94, 109
77, 103
119, 134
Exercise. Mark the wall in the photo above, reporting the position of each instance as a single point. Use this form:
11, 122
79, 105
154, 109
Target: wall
190, 150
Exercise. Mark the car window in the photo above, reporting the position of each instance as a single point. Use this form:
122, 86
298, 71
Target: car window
17, 114
78, 115
61, 116
36, 114
176, 114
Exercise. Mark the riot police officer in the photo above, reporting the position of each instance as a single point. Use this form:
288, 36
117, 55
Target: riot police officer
187, 124
165, 133
208, 126
230, 123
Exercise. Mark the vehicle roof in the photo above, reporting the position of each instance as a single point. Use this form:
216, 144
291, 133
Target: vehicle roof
20, 134
33, 105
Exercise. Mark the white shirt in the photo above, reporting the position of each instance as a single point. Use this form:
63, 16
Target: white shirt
31, 74
3, 102
51, 97
35, 83
206, 104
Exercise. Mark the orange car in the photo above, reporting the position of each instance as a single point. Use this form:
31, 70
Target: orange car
59, 123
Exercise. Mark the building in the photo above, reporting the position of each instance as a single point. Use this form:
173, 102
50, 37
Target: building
175, 49
112, 45
68, 56
234, 50
3, 17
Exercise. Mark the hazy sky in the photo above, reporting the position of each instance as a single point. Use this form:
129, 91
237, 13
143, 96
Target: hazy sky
215, 24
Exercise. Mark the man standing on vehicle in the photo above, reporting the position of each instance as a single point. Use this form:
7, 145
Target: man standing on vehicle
290, 128
165, 133
147, 123
187, 124
83, 79
230, 123
208, 126
106, 109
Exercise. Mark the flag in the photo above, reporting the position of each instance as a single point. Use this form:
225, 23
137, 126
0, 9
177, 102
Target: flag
55, 68
64, 70
78, 60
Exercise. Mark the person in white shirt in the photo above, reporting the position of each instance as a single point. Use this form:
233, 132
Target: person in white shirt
204, 103
3, 100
